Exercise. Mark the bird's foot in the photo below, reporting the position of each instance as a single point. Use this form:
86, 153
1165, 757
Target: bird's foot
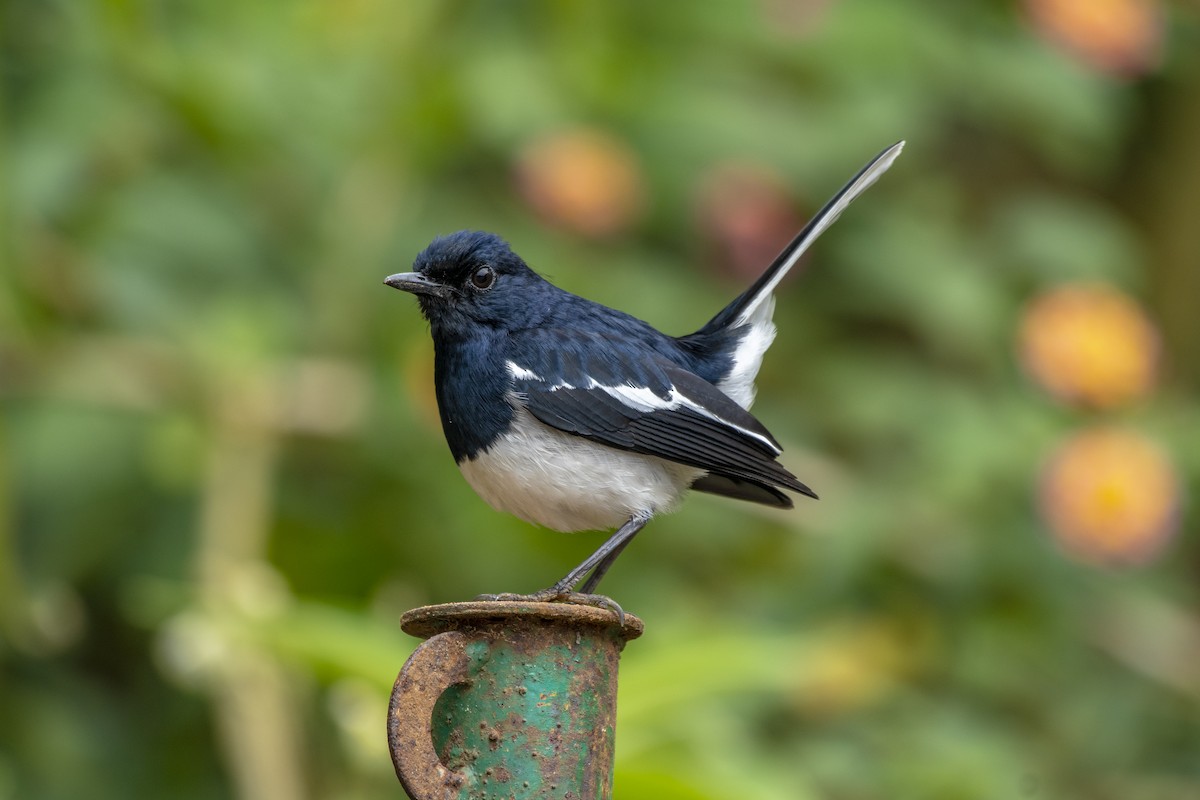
556, 595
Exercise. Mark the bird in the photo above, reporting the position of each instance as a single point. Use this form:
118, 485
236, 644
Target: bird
575, 416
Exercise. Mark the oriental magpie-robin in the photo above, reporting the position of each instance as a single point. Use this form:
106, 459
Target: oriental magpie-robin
576, 416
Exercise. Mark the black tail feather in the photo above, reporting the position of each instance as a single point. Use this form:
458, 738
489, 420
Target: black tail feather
807, 235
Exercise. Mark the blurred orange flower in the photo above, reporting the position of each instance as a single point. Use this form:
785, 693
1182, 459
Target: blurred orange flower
1089, 344
1118, 37
1110, 497
584, 180
748, 214
797, 18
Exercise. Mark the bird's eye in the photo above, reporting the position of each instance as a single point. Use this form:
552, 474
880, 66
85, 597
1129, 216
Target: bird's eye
483, 278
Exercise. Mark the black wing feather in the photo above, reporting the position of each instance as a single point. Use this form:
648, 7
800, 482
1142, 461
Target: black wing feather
709, 431
742, 490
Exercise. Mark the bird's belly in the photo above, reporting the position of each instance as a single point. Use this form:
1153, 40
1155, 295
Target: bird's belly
569, 483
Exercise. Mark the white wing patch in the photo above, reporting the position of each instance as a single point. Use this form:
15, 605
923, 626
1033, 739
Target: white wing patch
521, 373
646, 401
639, 397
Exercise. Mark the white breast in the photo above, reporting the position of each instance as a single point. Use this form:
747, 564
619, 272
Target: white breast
568, 483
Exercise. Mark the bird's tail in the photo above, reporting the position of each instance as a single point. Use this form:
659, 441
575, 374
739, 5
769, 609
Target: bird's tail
742, 309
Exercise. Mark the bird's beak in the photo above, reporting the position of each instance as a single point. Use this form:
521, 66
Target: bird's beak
416, 283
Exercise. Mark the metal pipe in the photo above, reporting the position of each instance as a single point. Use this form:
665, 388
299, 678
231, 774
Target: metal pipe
508, 700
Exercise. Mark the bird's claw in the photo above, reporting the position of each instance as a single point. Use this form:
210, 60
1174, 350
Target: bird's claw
553, 595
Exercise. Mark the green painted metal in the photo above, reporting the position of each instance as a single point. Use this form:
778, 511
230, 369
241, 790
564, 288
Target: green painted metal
508, 700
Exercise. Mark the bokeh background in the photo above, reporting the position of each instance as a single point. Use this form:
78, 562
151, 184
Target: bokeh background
222, 477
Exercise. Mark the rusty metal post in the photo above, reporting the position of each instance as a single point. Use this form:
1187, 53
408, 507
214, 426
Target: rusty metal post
508, 700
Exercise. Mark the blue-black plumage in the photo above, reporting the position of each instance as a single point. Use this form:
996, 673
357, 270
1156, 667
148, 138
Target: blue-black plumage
577, 416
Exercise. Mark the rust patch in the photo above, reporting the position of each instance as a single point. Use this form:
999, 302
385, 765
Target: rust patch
493, 737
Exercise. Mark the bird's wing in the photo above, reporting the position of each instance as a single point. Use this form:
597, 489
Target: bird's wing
652, 406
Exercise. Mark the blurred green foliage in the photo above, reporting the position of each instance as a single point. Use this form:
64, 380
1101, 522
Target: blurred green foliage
222, 478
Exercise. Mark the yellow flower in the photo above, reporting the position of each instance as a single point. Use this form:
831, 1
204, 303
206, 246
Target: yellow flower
1089, 344
584, 180
1110, 497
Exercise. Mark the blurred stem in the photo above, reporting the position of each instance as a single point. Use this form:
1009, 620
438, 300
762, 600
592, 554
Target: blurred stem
14, 602
238, 490
8, 238
254, 707
1170, 196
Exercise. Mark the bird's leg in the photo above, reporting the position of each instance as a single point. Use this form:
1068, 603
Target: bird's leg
600, 561
602, 567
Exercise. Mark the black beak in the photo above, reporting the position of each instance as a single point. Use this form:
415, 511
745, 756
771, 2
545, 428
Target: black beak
416, 283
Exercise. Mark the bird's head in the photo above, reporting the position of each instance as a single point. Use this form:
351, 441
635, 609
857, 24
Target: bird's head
469, 279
